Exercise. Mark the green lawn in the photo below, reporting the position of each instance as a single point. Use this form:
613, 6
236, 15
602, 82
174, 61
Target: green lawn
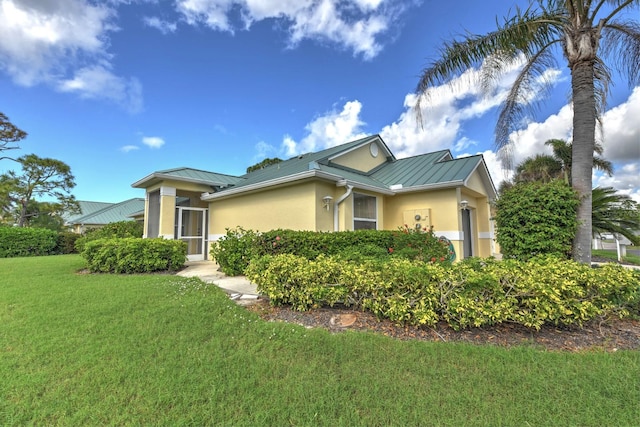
613, 256
80, 349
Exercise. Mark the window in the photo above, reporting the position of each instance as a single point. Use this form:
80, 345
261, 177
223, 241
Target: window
365, 215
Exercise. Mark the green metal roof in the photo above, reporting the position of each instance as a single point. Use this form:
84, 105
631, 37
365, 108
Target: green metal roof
428, 169
86, 208
312, 161
431, 169
114, 212
198, 176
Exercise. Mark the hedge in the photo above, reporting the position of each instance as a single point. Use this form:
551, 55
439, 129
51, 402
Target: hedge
238, 247
470, 293
134, 255
19, 241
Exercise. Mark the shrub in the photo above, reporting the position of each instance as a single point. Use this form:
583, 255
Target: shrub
238, 247
536, 219
134, 255
67, 242
234, 250
112, 230
470, 293
18, 241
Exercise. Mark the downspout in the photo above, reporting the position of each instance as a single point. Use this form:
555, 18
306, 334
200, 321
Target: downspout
337, 206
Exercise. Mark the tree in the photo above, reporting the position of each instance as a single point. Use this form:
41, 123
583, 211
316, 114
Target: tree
263, 164
40, 177
616, 214
545, 168
586, 32
9, 134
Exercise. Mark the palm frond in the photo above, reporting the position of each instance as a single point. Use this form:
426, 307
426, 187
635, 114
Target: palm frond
526, 33
517, 103
621, 44
614, 213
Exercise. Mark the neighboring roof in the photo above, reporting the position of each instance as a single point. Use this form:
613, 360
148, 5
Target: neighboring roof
114, 212
184, 174
86, 208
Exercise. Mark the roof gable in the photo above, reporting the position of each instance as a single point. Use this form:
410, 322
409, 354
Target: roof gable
197, 176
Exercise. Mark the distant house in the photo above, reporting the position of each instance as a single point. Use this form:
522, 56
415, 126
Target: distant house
357, 185
97, 214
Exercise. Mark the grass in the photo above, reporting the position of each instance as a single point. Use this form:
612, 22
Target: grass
613, 256
80, 349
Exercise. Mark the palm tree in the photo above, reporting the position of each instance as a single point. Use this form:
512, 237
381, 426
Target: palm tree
586, 32
563, 153
615, 213
544, 167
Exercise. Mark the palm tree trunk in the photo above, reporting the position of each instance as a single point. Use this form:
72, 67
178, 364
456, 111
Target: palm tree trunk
584, 126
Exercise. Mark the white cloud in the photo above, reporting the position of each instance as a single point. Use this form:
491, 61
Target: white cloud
128, 148
164, 27
621, 124
153, 141
331, 129
64, 44
352, 24
98, 82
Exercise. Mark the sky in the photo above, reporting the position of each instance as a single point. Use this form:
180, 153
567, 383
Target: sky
118, 89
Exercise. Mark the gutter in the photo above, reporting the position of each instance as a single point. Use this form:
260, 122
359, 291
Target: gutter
337, 205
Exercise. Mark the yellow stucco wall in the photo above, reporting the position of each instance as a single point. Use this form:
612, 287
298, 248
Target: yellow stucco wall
361, 159
294, 207
441, 203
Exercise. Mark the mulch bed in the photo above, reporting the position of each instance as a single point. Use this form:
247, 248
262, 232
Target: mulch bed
610, 335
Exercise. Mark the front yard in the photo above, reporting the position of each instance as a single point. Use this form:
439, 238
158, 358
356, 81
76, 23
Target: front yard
102, 349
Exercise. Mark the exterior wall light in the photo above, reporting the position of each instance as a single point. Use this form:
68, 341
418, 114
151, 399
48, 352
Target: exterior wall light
326, 202
464, 204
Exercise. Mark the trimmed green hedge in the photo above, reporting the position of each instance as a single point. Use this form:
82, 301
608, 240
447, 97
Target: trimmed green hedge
18, 241
134, 255
119, 229
470, 293
238, 247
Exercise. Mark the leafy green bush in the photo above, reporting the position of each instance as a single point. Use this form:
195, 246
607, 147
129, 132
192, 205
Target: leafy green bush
534, 219
19, 241
134, 255
67, 242
470, 293
238, 247
234, 250
120, 229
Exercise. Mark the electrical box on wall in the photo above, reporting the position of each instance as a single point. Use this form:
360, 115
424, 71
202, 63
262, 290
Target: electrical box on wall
417, 218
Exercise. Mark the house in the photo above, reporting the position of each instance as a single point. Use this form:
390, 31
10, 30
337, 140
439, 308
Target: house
357, 185
97, 214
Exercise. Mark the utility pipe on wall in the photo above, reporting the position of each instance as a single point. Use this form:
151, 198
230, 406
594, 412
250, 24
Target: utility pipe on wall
337, 204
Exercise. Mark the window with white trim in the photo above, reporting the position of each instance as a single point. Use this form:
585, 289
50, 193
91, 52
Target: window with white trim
365, 212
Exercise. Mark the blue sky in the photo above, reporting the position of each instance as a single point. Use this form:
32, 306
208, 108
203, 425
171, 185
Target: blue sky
119, 89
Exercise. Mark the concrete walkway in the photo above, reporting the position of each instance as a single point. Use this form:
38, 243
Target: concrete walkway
238, 287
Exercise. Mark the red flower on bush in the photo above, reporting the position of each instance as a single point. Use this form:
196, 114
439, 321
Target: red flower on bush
390, 250
433, 260
277, 237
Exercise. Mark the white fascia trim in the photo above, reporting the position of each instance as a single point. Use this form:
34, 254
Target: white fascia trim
451, 235
486, 235
215, 237
264, 184
486, 178
447, 184
359, 186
